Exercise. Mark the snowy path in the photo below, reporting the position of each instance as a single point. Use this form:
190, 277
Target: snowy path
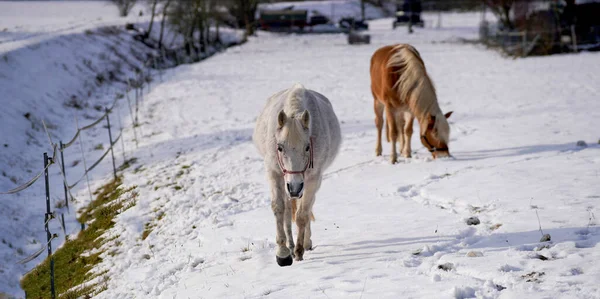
381, 229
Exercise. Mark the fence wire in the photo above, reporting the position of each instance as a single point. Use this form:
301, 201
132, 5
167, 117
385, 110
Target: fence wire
35, 178
37, 253
65, 146
95, 164
72, 141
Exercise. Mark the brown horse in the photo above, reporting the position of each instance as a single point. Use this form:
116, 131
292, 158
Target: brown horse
402, 88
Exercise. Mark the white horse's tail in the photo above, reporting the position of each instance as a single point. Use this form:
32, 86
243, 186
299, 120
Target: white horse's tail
295, 208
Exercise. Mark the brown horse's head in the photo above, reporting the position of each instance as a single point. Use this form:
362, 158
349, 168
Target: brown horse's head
435, 136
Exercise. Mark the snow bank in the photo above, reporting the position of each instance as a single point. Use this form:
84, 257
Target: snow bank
58, 61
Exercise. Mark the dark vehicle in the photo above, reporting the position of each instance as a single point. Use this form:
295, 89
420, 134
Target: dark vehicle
280, 19
352, 24
318, 19
409, 11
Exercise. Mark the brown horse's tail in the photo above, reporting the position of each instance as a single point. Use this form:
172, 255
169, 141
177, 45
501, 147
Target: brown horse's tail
295, 208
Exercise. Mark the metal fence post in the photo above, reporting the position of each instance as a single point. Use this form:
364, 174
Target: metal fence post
112, 153
136, 104
47, 218
574, 38
159, 70
62, 161
142, 80
131, 112
121, 133
149, 73
524, 43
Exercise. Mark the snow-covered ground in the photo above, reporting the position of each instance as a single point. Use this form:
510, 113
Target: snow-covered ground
382, 231
59, 60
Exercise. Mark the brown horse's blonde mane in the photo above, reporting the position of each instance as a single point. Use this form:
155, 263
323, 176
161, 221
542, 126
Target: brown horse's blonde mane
414, 86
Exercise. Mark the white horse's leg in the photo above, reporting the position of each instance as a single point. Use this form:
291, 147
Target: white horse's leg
303, 218
307, 234
278, 197
288, 224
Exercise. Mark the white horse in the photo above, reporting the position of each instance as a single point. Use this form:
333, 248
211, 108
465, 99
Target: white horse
298, 135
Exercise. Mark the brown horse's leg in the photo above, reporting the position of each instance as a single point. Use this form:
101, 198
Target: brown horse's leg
400, 127
408, 131
378, 106
393, 130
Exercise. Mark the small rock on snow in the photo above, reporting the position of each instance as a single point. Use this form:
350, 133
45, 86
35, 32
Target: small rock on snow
581, 143
446, 266
545, 238
541, 257
417, 251
473, 221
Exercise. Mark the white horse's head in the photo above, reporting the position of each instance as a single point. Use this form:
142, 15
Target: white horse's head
294, 152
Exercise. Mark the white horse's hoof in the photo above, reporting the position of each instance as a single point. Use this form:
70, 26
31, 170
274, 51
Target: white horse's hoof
285, 261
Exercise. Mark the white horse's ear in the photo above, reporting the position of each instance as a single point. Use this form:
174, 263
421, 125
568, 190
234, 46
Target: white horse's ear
305, 117
281, 118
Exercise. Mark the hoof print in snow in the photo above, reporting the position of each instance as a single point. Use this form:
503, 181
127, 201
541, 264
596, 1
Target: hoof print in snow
285, 261
475, 254
545, 238
473, 221
446, 266
533, 276
581, 143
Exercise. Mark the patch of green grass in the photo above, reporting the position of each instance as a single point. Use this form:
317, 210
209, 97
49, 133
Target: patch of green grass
127, 163
177, 187
139, 169
188, 166
71, 268
99, 147
148, 227
147, 230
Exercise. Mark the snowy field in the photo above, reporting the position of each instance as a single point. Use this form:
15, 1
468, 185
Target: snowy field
382, 230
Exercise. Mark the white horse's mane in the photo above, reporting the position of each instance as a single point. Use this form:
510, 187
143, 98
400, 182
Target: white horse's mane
294, 104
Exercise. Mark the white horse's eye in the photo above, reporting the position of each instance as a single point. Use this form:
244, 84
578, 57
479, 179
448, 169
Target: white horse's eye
280, 148
307, 148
